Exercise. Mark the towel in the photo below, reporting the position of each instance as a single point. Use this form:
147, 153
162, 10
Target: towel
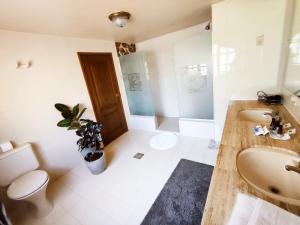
254, 211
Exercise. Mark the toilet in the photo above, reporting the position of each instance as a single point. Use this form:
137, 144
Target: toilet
19, 172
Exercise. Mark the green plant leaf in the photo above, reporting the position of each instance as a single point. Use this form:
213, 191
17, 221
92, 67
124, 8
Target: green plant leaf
81, 113
67, 115
75, 110
61, 107
74, 125
64, 123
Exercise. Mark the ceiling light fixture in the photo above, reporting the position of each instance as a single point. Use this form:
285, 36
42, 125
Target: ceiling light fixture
120, 19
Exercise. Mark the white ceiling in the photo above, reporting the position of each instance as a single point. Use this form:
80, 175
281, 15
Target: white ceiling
89, 18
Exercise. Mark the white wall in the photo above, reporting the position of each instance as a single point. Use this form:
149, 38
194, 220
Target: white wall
292, 74
28, 95
241, 68
159, 52
291, 60
164, 55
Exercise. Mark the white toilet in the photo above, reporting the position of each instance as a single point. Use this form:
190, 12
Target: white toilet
19, 172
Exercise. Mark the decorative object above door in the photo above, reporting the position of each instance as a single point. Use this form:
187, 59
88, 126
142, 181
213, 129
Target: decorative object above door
125, 48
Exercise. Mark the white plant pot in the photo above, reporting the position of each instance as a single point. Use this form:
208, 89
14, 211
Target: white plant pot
97, 166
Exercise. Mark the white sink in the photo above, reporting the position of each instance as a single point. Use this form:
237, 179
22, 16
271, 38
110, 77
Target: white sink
264, 169
256, 115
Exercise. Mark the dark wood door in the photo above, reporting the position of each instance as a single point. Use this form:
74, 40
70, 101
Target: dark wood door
100, 77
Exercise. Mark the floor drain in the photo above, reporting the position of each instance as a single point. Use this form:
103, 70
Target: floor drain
274, 190
138, 155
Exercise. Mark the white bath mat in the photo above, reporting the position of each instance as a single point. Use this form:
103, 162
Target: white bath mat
163, 141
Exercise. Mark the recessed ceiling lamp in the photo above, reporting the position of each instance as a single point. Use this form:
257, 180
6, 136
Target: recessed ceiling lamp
120, 19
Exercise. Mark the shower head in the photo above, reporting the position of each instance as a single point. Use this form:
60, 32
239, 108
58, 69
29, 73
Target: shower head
208, 26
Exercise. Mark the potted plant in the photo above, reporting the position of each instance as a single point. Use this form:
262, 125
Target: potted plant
90, 142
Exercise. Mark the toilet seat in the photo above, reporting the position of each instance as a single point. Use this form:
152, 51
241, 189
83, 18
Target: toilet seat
27, 184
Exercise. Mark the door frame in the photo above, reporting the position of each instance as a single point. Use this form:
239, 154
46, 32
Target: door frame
93, 96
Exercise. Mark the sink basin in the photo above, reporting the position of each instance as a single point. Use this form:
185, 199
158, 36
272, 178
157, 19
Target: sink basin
264, 169
256, 115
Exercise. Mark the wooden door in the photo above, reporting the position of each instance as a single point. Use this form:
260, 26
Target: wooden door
100, 77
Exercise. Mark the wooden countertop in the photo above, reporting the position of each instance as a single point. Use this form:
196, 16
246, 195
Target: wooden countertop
226, 182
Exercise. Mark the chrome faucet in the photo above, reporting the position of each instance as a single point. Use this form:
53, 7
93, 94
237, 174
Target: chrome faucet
292, 168
297, 93
272, 114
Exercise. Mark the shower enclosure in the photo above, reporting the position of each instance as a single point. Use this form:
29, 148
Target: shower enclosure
194, 77
190, 75
137, 84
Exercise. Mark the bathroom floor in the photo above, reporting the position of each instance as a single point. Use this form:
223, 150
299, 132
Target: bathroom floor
123, 194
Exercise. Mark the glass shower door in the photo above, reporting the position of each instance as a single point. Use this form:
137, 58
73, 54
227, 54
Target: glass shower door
137, 84
194, 77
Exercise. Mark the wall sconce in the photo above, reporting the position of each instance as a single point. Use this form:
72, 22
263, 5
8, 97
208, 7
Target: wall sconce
23, 64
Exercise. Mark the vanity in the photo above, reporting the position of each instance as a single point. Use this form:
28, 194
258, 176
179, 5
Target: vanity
226, 179
260, 165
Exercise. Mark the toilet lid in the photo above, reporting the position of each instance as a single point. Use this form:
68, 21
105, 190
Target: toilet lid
27, 184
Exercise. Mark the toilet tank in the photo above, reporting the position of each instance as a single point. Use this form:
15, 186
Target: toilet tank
17, 162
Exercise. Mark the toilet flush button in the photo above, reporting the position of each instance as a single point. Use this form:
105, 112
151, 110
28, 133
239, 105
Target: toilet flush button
6, 146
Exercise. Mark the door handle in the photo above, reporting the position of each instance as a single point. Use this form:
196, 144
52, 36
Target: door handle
117, 95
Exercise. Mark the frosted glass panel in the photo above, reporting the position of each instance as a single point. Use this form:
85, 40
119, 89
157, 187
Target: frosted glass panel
194, 76
137, 84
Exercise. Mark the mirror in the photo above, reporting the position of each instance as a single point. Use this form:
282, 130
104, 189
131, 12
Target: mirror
292, 73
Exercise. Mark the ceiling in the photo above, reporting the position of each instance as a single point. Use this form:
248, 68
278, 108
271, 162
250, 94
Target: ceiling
89, 18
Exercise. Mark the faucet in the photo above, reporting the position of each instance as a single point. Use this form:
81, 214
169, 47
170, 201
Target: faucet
273, 114
297, 93
292, 168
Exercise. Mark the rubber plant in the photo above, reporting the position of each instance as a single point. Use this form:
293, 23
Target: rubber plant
88, 130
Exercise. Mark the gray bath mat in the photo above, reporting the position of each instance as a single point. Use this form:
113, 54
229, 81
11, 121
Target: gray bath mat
182, 199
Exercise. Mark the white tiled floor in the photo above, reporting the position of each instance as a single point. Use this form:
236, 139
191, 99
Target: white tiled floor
123, 194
